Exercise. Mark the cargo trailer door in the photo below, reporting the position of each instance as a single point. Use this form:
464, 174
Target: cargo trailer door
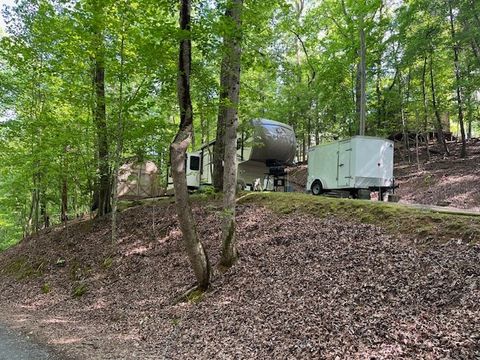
344, 156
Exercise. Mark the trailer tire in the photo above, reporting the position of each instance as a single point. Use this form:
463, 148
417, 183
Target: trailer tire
316, 187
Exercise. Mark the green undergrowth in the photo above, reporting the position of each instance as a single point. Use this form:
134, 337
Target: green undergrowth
22, 268
418, 224
203, 198
79, 290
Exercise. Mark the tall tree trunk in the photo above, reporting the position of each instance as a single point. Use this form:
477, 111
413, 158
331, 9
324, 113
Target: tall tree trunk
469, 117
463, 152
64, 196
417, 152
104, 188
317, 123
119, 139
404, 115
44, 212
425, 109
362, 75
194, 248
233, 44
379, 98
299, 7
219, 147
440, 135
64, 188
36, 202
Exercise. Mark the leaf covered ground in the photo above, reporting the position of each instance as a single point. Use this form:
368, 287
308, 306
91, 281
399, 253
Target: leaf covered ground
306, 286
447, 181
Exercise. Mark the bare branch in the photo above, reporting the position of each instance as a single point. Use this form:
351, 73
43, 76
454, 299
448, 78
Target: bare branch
307, 57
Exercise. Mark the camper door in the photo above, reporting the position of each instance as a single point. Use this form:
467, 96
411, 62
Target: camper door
193, 170
344, 156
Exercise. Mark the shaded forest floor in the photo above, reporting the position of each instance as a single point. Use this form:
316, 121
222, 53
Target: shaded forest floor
317, 278
447, 181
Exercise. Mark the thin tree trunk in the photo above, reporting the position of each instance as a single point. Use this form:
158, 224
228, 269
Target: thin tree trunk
405, 115
203, 126
417, 152
219, 147
476, 50
194, 248
64, 196
64, 188
317, 123
469, 118
36, 202
463, 152
233, 44
44, 212
29, 223
425, 108
104, 190
406, 141
119, 146
363, 80
304, 146
441, 137
379, 98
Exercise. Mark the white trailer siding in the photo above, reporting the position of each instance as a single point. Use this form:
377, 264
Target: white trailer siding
361, 162
373, 162
322, 165
207, 165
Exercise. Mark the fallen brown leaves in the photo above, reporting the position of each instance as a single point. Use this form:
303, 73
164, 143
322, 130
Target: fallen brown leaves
451, 181
303, 288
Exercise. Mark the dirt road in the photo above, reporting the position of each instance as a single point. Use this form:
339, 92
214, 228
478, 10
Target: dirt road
14, 346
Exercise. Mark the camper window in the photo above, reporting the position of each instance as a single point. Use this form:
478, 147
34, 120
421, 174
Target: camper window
195, 163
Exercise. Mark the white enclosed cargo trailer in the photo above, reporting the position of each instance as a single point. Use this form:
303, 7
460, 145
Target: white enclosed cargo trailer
358, 163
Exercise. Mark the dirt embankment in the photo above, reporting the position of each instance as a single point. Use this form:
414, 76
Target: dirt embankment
303, 288
446, 181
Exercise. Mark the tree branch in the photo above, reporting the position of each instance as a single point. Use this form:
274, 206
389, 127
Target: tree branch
307, 57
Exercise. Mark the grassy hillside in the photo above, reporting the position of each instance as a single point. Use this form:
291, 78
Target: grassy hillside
395, 219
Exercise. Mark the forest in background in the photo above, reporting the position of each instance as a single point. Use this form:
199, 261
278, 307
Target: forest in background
312, 64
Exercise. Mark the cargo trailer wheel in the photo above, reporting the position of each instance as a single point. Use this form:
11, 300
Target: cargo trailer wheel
317, 187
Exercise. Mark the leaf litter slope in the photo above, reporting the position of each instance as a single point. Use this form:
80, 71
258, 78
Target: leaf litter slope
449, 181
303, 288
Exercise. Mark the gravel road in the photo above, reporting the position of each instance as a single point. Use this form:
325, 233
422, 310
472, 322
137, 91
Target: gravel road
14, 346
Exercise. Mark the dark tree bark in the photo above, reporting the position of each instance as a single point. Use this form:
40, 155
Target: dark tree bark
463, 152
439, 126
44, 212
64, 205
194, 248
403, 116
233, 58
425, 108
119, 138
219, 147
379, 98
104, 188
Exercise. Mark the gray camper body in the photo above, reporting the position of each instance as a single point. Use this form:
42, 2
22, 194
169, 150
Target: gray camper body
270, 141
361, 162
